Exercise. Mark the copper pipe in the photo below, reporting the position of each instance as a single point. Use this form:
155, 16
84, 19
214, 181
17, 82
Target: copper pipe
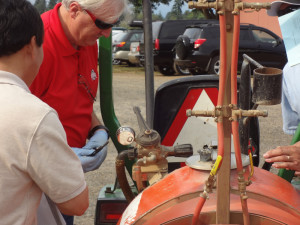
121, 176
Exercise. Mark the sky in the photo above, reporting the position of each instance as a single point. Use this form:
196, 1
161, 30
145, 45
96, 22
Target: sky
164, 9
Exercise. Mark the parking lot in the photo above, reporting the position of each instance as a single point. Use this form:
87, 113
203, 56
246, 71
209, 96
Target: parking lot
128, 85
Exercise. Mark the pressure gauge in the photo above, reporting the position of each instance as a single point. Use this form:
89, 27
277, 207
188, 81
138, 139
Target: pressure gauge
125, 135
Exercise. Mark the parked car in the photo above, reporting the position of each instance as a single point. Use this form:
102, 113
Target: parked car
122, 48
117, 30
165, 34
133, 53
115, 40
198, 48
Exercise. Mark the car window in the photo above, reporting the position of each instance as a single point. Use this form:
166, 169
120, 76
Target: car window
155, 28
211, 32
245, 35
262, 36
135, 37
193, 32
169, 31
118, 37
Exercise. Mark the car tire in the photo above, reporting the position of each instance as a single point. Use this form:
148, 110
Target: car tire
214, 67
180, 70
182, 46
196, 71
166, 70
116, 62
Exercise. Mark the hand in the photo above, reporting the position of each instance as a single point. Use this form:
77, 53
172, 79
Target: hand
89, 161
99, 138
286, 157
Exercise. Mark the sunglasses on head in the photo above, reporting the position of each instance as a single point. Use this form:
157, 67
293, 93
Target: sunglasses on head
289, 9
100, 24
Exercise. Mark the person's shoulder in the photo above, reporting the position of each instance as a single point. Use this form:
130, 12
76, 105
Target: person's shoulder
46, 19
37, 106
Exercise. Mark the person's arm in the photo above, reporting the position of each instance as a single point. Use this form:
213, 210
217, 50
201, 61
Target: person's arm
286, 157
95, 120
76, 206
54, 167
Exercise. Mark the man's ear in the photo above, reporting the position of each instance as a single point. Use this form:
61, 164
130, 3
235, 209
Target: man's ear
74, 9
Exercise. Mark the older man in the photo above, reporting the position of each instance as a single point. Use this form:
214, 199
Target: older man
288, 157
34, 156
68, 77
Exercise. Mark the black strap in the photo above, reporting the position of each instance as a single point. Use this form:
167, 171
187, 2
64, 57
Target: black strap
92, 131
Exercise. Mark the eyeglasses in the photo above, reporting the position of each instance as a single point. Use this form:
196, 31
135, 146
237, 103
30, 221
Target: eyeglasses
83, 82
289, 9
100, 24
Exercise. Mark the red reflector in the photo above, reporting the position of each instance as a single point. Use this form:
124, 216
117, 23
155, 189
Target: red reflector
199, 42
113, 216
156, 45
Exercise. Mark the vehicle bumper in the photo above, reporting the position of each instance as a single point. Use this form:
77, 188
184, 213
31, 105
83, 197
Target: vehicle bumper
192, 64
134, 59
121, 55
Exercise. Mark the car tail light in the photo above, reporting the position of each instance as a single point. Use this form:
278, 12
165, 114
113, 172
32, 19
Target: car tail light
199, 42
156, 45
138, 48
121, 44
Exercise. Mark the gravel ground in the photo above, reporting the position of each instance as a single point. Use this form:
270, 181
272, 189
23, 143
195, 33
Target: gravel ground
129, 92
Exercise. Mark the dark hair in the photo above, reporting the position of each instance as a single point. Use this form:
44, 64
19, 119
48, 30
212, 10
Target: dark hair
19, 22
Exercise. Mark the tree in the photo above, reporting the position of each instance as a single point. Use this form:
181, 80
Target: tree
176, 9
138, 4
40, 5
51, 4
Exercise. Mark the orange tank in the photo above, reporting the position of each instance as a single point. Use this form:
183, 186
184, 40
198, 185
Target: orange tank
272, 200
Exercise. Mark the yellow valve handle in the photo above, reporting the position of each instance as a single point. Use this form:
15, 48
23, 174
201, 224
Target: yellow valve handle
215, 168
251, 163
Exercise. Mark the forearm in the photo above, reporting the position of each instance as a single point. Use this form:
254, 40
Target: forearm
76, 206
95, 120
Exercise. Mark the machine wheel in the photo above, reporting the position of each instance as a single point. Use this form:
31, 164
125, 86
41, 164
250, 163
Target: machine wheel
166, 70
180, 70
214, 67
196, 71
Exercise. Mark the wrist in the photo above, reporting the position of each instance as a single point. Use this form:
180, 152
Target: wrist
98, 127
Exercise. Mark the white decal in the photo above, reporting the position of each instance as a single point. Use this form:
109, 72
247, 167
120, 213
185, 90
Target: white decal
129, 215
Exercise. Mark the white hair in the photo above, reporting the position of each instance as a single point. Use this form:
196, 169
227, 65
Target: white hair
111, 9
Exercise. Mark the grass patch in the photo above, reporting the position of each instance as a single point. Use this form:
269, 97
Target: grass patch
125, 68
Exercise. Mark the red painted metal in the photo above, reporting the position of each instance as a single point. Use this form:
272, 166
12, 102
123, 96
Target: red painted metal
175, 197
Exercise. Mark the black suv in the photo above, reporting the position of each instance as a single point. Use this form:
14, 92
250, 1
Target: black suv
198, 48
165, 34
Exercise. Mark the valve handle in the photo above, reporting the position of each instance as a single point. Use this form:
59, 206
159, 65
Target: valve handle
184, 150
142, 123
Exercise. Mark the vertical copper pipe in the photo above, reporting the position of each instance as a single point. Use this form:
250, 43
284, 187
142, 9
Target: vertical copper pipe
235, 124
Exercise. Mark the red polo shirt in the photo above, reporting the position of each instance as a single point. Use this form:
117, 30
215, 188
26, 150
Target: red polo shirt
67, 79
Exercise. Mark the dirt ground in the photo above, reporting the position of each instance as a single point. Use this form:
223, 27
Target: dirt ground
129, 92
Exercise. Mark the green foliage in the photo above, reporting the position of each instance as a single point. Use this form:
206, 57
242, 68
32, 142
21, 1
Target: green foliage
40, 5
154, 3
51, 4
